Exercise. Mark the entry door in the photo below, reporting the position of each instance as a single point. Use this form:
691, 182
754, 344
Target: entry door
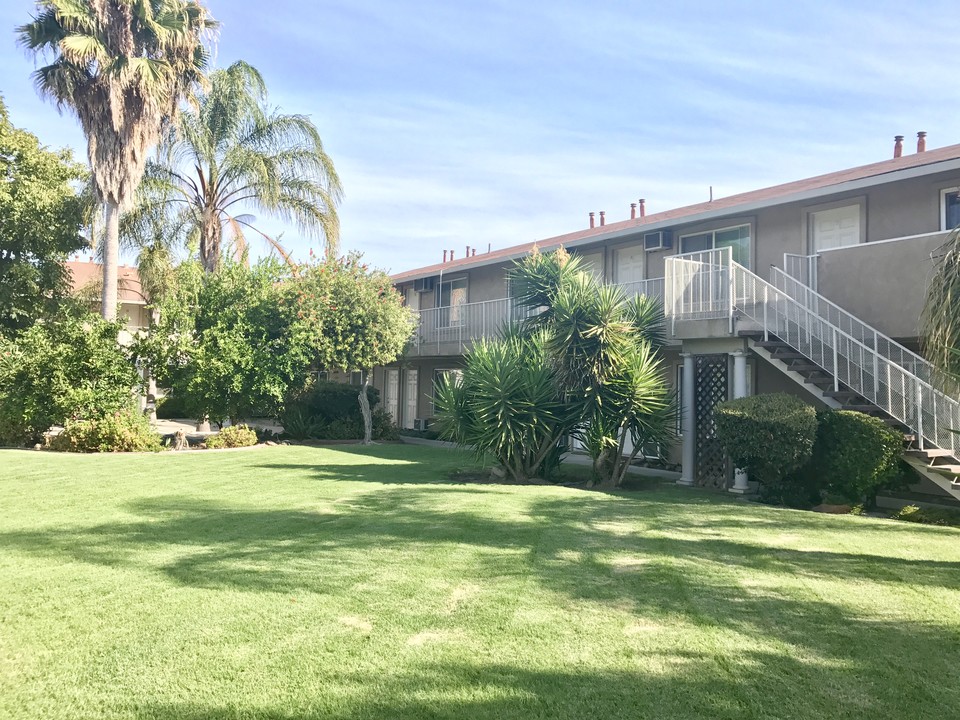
629, 267
391, 393
411, 389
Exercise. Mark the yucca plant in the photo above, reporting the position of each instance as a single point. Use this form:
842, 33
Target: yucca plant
940, 322
509, 405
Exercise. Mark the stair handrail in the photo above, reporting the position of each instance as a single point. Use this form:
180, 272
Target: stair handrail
782, 280
920, 406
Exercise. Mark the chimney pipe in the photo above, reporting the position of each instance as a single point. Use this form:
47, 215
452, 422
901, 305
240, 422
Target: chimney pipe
489, 247
633, 211
444, 255
451, 256
468, 252
473, 252
603, 218
643, 207
591, 220
897, 146
921, 141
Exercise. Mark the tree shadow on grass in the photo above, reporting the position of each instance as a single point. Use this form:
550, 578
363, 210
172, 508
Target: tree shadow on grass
641, 555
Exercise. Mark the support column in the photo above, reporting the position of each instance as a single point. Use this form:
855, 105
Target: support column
741, 486
688, 419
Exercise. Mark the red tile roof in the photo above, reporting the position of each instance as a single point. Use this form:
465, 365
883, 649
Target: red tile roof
731, 203
85, 273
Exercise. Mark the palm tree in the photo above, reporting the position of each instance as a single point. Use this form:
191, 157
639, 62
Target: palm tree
940, 322
232, 153
123, 67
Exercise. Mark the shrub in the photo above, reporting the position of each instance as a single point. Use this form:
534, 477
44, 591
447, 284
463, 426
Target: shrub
125, 431
508, 404
855, 454
328, 401
771, 436
929, 516
384, 428
71, 368
234, 436
172, 407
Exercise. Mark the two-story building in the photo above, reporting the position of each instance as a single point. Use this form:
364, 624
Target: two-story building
812, 287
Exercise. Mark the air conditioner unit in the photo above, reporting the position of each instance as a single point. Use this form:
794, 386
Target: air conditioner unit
422, 285
420, 424
660, 240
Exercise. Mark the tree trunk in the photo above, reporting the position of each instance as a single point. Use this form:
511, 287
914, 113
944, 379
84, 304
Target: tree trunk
365, 410
211, 234
111, 259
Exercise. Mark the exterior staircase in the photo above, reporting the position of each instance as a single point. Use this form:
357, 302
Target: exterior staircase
840, 359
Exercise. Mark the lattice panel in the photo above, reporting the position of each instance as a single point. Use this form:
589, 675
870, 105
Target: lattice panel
712, 468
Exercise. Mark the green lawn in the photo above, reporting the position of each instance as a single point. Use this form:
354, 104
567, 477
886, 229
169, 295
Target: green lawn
296, 582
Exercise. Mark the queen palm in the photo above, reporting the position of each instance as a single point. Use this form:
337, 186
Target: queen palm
123, 67
231, 154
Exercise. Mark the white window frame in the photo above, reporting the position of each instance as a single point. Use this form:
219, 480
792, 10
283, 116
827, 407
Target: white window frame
713, 237
439, 293
943, 206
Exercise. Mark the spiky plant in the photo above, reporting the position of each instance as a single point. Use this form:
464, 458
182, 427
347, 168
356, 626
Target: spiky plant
123, 67
940, 321
233, 153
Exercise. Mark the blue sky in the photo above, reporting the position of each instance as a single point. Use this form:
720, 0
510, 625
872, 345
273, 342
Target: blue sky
496, 123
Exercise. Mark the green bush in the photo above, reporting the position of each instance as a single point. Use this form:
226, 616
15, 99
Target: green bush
855, 455
124, 431
234, 436
772, 437
172, 407
71, 368
328, 401
929, 516
331, 411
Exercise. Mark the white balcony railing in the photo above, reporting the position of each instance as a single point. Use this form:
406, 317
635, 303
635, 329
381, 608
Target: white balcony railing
451, 330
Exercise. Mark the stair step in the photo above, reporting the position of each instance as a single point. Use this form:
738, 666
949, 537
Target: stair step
752, 334
865, 409
948, 470
790, 355
937, 453
771, 344
842, 394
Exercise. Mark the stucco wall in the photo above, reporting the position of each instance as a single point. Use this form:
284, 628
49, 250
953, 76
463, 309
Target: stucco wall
882, 283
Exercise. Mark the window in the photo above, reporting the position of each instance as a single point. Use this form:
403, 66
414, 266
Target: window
737, 238
322, 376
949, 208
358, 377
835, 228
451, 295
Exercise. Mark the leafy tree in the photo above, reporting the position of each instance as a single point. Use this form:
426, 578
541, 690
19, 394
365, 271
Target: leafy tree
71, 368
223, 342
41, 215
123, 67
232, 152
352, 318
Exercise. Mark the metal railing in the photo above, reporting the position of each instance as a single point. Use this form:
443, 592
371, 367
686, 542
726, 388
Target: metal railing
853, 353
698, 286
450, 330
802, 268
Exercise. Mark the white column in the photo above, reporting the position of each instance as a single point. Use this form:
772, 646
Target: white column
688, 419
741, 485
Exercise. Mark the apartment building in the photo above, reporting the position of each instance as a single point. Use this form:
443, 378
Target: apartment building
812, 287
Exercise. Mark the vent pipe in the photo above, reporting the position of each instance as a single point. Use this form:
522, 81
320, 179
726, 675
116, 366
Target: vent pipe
444, 255
633, 211
643, 207
921, 141
592, 221
603, 218
897, 146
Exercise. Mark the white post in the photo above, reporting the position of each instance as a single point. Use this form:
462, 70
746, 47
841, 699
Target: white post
688, 419
741, 485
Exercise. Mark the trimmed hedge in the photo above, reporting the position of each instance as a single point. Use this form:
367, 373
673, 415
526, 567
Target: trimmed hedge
331, 411
234, 436
929, 516
126, 431
770, 436
855, 454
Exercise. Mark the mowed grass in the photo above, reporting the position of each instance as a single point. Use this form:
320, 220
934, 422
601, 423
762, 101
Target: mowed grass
297, 582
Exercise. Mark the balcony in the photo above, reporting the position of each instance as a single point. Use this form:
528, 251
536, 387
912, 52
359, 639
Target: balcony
451, 330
